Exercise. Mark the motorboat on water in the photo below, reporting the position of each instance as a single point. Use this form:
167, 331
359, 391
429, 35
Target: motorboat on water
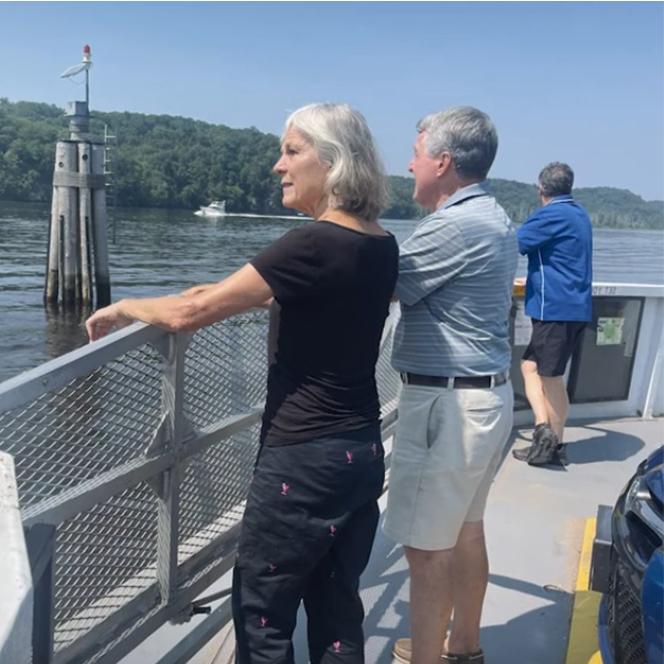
215, 210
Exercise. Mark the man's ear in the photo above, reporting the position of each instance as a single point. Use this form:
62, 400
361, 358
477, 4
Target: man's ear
443, 163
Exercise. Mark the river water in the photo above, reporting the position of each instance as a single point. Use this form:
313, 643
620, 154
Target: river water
157, 252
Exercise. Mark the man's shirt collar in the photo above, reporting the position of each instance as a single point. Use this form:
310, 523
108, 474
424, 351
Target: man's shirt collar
469, 191
564, 198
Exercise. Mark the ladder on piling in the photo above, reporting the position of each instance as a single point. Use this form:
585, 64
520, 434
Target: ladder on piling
110, 143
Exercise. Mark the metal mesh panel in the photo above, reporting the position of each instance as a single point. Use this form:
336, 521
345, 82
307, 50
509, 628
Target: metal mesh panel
107, 555
132, 627
85, 428
226, 368
214, 487
103, 558
387, 379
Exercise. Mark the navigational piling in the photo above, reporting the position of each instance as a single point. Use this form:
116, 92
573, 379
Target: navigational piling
78, 222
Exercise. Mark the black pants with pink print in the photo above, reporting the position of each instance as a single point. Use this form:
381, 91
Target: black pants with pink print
307, 533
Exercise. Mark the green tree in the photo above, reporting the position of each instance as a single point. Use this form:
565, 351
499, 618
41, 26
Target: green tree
176, 162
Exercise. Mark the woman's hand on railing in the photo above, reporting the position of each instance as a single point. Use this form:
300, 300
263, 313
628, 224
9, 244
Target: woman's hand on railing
105, 320
189, 312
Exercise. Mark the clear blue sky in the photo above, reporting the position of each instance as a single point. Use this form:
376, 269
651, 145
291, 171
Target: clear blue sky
576, 82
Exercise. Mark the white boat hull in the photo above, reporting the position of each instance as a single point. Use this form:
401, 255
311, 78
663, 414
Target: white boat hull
210, 214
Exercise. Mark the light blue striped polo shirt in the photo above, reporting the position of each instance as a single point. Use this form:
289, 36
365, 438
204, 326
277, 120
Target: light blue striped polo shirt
455, 287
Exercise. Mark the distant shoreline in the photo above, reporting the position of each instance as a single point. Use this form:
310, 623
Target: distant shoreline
250, 215
172, 163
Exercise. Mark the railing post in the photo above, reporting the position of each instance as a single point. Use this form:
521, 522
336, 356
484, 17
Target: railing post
171, 433
16, 599
654, 338
40, 541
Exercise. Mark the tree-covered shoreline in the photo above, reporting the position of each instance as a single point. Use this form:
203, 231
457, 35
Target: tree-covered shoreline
164, 161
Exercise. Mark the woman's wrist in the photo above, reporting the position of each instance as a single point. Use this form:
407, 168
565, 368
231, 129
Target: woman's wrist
122, 308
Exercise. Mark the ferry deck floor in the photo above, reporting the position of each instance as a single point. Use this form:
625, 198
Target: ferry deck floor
534, 525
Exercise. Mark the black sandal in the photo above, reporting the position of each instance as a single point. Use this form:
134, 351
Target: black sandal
468, 658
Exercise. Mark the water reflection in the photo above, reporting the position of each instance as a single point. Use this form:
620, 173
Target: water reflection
65, 329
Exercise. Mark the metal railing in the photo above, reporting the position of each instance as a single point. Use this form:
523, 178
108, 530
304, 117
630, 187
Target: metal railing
133, 457
16, 598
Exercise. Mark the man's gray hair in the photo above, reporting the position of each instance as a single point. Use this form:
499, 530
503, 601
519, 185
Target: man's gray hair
356, 181
556, 179
467, 134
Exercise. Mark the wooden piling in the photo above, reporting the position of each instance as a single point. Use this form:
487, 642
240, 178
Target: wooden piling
77, 234
67, 202
84, 221
99, 217
53, 261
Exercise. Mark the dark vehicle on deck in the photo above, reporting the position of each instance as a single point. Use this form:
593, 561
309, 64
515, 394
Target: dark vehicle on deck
628, 568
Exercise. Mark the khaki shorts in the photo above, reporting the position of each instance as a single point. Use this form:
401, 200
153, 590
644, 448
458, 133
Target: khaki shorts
448, 446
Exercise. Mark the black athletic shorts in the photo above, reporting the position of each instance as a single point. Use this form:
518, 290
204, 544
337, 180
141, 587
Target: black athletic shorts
552, 344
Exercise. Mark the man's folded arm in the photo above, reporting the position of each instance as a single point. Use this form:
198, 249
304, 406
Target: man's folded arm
428, 260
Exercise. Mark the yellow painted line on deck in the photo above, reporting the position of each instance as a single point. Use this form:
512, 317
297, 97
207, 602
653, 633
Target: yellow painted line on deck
583, 646
583, 575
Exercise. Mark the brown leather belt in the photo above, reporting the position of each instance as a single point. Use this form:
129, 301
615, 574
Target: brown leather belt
456, 383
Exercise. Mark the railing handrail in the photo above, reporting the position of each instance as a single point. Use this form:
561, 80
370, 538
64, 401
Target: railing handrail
611, 288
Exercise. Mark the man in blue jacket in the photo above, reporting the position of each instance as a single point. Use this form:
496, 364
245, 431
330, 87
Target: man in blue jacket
557, 239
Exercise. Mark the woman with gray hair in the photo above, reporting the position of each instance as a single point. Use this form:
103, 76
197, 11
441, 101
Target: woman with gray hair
312, 511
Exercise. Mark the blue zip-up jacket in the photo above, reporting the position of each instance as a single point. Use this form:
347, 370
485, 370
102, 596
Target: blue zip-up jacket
557, 239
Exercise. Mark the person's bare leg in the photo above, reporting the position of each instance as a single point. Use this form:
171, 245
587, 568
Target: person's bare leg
470, 576
430, 602
534, 391
557, 403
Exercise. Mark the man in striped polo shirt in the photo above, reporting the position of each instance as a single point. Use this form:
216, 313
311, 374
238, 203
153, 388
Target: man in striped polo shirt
452, 349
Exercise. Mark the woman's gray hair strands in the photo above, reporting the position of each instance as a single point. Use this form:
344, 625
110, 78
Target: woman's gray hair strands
356, 181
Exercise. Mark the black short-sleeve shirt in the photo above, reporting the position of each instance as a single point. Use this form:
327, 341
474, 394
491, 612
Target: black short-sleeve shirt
332, 287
